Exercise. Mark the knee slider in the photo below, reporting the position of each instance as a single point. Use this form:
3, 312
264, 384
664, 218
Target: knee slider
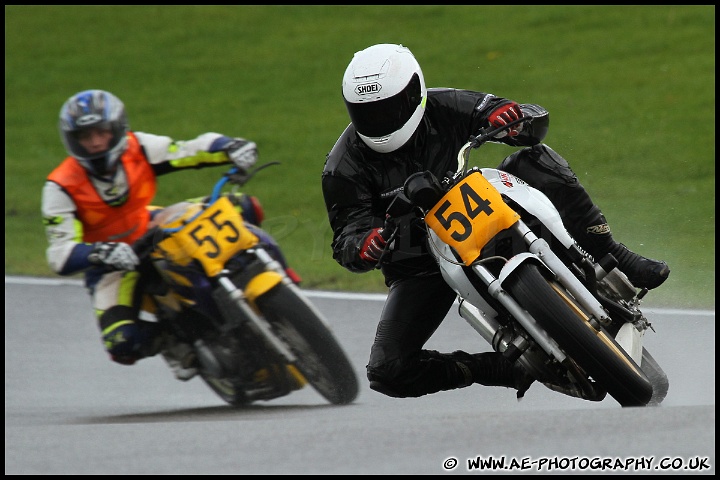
388, 379
126, 339
121, 342
554, 162
377, 384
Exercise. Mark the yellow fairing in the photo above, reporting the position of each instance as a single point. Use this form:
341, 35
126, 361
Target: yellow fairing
470, 215
261, 284
212, 238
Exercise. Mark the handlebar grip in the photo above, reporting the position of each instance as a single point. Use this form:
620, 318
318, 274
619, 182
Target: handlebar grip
389, 228
485, 136
144, 245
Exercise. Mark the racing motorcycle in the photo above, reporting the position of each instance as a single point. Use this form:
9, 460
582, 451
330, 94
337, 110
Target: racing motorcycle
222, 285
573, 322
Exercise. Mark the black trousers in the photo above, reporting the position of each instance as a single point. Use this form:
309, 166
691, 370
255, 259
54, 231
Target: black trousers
415, 307
398, 365
544, 169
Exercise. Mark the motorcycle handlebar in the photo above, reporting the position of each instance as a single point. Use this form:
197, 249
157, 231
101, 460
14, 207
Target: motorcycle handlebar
423, 189
484, 137
145, 244
237, 177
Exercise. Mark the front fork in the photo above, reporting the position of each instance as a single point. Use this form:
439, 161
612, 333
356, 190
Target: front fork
239, 313
513, 347
258, 285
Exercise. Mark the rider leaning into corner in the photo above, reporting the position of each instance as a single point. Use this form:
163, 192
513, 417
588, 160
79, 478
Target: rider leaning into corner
95, 205
399, 127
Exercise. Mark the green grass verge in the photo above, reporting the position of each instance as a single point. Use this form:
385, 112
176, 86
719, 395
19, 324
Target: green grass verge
631, 91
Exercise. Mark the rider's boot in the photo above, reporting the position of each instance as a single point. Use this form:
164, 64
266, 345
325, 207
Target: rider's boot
546, 170
180, 357
493, 369
642, 272
592, 233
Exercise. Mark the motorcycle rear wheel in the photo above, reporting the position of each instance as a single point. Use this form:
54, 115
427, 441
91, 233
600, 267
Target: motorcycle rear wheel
320, 358
595, 351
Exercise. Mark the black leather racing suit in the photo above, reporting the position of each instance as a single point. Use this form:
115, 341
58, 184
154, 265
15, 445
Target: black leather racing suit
358, 185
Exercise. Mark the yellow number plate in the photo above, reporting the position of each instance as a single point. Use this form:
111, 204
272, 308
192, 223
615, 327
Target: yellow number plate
212, 238
469, 215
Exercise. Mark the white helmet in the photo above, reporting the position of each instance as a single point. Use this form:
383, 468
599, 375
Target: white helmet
384, 92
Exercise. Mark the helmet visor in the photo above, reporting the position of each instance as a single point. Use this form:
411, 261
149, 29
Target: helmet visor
383, 117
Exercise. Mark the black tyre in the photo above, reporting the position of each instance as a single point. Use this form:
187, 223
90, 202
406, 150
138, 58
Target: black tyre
320, 358
595, 351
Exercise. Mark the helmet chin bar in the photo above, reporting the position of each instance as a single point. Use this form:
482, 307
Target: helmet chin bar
94, 109
392, 142
385, 94
101, 167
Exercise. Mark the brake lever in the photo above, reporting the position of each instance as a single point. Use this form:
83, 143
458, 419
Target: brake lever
389, 224
144, 245
485, 136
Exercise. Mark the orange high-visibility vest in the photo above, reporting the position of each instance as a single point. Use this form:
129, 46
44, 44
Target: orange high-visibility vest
111, 223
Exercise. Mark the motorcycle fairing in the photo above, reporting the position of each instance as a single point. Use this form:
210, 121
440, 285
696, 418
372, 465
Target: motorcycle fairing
470, 214
211, 238
531, 199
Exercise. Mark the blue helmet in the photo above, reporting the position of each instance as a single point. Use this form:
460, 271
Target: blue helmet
94, 109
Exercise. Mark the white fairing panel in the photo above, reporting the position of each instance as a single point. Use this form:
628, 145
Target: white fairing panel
531, 199
454, 275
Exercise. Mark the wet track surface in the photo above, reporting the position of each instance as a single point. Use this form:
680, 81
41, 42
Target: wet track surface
69, 410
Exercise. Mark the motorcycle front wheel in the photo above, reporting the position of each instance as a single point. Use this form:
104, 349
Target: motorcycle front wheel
320, 358
594, 350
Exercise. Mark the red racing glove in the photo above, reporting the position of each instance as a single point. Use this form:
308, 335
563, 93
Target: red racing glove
373, 245
505, 114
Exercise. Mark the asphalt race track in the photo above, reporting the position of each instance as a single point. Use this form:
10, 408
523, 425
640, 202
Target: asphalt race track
69, 410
